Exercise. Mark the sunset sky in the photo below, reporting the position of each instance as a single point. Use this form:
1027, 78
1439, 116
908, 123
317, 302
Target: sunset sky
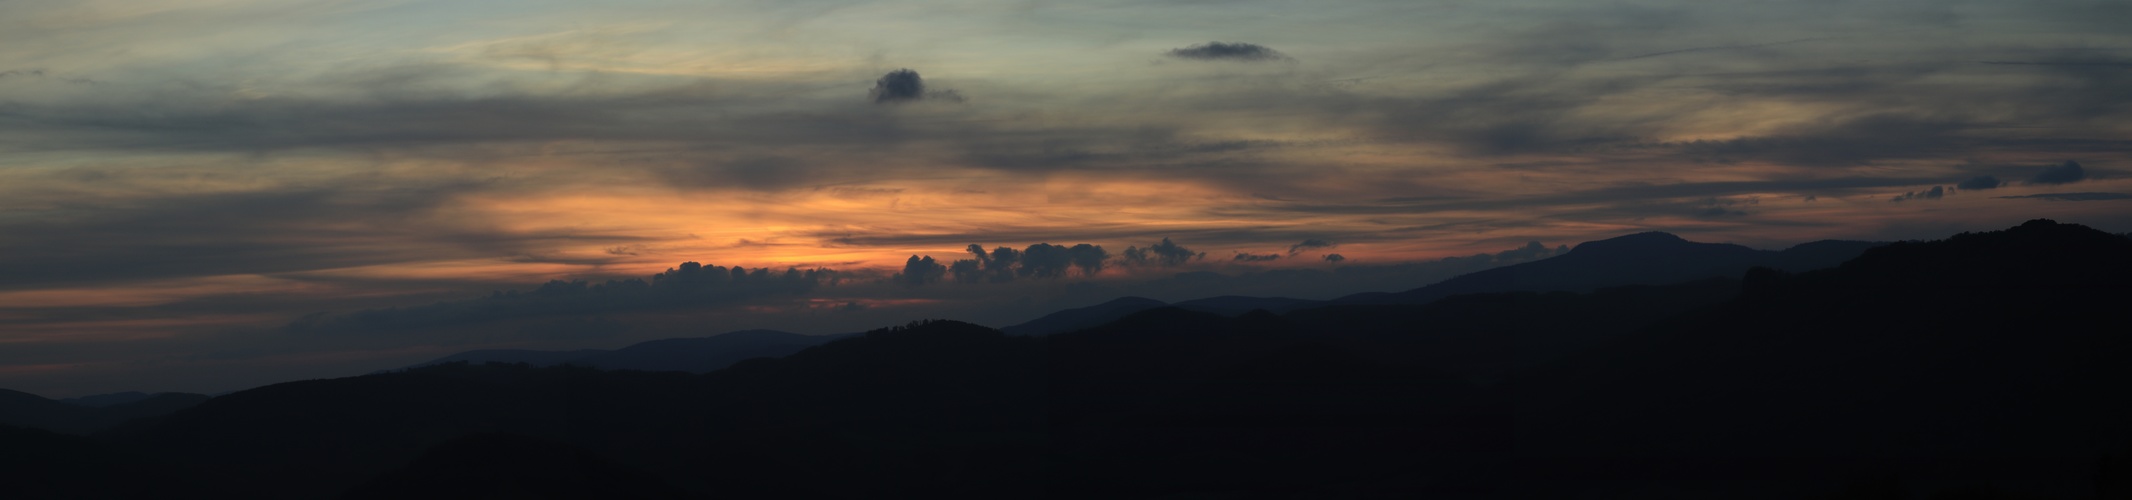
187, 186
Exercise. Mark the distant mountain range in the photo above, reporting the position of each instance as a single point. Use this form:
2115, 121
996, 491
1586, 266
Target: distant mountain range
88, 414
1986, 365
693, 355
1653, 258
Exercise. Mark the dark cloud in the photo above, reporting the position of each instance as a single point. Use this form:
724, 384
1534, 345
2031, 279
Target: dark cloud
904, 85
1227, 51
1930, 194
898, 86
1310, 244
1044, 260
1980, 182
1041, 260
1165, 254
1248, 257
2075, 196
1334, 258
920, 271
2064, 173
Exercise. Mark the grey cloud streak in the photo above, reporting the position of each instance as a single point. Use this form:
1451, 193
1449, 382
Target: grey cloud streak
1227, 51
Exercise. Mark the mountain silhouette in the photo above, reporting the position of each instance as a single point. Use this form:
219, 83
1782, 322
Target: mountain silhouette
1986, 364
1232, 305
33, 411
103, 400
695, 355
1652, 258
1985, 359
1083, 317
699, 355
512, 356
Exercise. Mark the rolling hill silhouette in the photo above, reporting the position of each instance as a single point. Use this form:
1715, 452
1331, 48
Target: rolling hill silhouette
1084, 317
1652, 258
695, 355
33, 411
1986, 364
1983, 357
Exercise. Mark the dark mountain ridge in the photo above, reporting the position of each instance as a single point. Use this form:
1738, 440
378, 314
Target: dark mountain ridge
694, 355
1987, 361
1652, 258
30, 410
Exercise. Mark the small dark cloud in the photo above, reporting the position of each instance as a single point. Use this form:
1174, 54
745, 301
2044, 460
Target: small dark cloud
1930, 194
2064, 173
1248, 257
1310, 244
1334, 258
1227, 51
2074, 196
1165, 254
1981, 182
21, 72
897, 86
904, 85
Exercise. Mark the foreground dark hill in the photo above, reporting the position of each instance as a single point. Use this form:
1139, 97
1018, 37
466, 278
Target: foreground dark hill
1993, 360
1639, 259
1147, 406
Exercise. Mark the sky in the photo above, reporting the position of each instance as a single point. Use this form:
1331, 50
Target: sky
210, 195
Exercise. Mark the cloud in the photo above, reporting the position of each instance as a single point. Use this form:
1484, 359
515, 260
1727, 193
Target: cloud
1044, 260
1164, 254
1227, 51
2074, 196
897, 86
1334, 258
1310, 244
904, 85
920, 271
1930, 194
1247, 257
1041, 260
2064, 173
1980, 182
